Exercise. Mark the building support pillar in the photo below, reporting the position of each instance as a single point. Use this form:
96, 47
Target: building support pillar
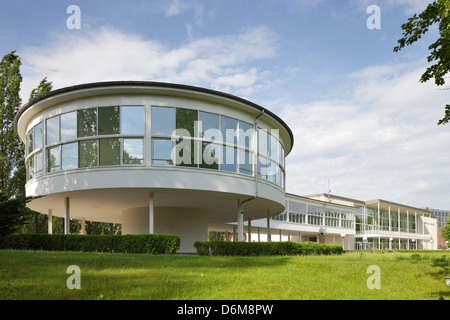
240, 220
83, 226
151, 213
66, 216
50, 221
249, 229
269, 237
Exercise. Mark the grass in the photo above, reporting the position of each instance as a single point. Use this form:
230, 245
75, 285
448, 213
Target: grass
42, 275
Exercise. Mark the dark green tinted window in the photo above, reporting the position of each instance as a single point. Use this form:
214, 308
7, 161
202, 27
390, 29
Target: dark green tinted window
109, 152
87, 122
108, 120
185, 119
88, 153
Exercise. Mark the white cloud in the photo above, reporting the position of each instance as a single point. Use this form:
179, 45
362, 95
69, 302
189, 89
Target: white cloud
222, 62
382, 141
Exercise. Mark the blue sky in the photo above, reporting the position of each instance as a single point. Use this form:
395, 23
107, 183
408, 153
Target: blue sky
359, 115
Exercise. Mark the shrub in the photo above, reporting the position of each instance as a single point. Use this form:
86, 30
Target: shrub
145, 243
226, 248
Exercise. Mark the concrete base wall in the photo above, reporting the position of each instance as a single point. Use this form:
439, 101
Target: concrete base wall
190, 224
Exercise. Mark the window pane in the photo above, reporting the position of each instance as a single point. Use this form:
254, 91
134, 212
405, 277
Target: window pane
109, 152
38, 164
209, 126
69, 154
133, 151
163, 120
185, 120
246, 131
38, 131
133, 120
162, 151
31, 168
87, 122
262, 167
54, 159
185, 152
273, 147
108, 120
228, 159
228, 127
262, 141
52, 130
210, 156
30, 141
245, 162
88, 153
69, 126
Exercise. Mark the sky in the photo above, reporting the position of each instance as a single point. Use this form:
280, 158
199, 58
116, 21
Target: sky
363, 124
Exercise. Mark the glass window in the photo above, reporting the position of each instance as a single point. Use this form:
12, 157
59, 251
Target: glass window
262, 167
163, 120
109, 120
228, 159
210, 156
109, 152
38, 132
162, 151
30, 141
229, 127
185, 119
185, 150
88, 153
52, 130
262, 141
273, 147
69, 156
87, 122
54, 159
69, 126
246, 131
133, 151
31, 168
209, 126
38, 164
245, 162
271, 171
133, 120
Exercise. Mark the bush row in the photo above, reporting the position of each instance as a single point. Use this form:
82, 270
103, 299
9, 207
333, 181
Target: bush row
145, 243
227, 248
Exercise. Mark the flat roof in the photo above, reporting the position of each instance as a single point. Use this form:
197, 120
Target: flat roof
394, 204
153, 84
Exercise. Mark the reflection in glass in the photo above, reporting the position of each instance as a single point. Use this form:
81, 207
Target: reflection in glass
38, 164
262, 167
54, 159
184, 152
88, 156
209, 125
246, 131
185, 119
162, 151
109, 120
38, 132
229, 127
69, 156
262, 142
163, 120
69, 126
52, 130
87, 122
30, 141
31, 168
210, 156
133, 151
133, 120
228, 159
109, 152
245, 162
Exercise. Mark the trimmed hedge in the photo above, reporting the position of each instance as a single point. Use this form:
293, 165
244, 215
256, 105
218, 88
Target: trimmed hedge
145, 243
227, 248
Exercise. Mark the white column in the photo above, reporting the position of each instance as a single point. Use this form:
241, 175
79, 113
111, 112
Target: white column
50, 221
259, 234
389, 212
269, 237
398, 224
249, 228
240, 221
67, 216
151, 213
83, 226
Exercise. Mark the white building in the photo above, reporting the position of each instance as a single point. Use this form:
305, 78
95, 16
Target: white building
168, 158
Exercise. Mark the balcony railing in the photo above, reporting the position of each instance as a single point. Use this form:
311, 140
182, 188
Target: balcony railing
401, 234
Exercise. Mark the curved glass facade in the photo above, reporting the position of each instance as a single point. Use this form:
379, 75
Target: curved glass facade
116, 136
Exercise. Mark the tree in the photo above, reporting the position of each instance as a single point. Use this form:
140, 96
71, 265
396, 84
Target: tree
13, 214
446, 231
11, 148
437, 12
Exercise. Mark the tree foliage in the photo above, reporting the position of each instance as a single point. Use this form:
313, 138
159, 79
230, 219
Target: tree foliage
446, 231
437, 12
13, 214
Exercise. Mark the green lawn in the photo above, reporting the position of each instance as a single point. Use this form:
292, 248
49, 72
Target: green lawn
42, 275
